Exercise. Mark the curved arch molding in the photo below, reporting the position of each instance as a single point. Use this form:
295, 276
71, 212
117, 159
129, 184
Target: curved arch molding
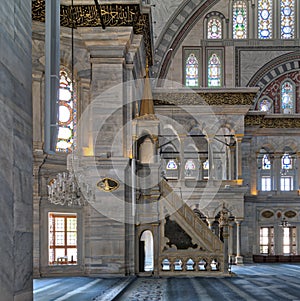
175, 32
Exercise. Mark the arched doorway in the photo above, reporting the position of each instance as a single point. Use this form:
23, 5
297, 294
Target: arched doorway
146, 252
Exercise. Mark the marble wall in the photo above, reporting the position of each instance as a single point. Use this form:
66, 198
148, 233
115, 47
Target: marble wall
16, 151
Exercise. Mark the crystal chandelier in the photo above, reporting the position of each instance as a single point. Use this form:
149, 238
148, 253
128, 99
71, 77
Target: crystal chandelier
64, 190
284, 223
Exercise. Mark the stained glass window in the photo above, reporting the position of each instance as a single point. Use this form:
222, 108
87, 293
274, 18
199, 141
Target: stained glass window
191, 67
214, 28
265, 19
266, 163
66, 113
171, 165
287, 97
287, 18
265, 105
214, 71
239, 20
286, 161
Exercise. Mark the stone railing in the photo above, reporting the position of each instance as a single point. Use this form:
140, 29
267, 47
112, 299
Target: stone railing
188, 262
189, 221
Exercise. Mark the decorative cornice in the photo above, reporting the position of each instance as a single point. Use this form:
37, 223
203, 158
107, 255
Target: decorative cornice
216, 99
262, 121
113, 15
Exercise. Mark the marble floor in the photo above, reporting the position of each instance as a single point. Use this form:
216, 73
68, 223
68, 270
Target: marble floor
256, 282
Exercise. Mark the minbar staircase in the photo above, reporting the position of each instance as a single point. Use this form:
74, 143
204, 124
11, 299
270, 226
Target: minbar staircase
206, 258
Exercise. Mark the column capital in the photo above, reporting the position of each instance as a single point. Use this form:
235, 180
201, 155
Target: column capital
238, 221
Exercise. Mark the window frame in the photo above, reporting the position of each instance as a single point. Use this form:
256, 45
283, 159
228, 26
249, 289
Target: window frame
65, 246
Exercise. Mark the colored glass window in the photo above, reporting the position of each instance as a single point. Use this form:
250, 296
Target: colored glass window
214, 28
214, 71
191, 67
266, 163
239, 20
265, 105
172, 165
286, 161
287, 19
66, 114
265, 19
287, 97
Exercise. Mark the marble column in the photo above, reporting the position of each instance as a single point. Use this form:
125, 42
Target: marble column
16, 234
211, 172
238, 257
238, 154
230, 243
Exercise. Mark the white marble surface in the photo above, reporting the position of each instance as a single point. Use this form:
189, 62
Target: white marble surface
16, 152
251, 61
162, 13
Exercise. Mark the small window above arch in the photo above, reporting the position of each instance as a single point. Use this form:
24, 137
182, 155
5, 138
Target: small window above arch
239, 19
265, 105
287, 97
214, 28
287, 19
265, 19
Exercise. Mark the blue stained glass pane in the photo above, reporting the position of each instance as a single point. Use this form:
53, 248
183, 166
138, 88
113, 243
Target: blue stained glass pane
287, 98
286, 162
214, 71
191, 71
171, 165
265, 19
214, 28
287, 19
239, 20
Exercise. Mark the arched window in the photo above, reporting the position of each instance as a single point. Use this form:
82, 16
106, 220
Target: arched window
265, 19
286, 162
191, 71
287, 19
240, 20
66, 113
266, 163
214, 28
287, 97
214, 71
265, 105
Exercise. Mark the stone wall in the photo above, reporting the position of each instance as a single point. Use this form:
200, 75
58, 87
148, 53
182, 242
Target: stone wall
16, 151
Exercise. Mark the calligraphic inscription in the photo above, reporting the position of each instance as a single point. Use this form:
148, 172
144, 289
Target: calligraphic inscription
108, 184
112, 14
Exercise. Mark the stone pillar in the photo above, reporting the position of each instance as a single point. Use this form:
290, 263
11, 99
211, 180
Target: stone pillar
211, 172
298, 172
231, 163
238, 258
238, 155
276, 168
210, 221
16, 234
230, 243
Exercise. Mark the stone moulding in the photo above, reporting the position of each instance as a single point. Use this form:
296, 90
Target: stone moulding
113, 15
202, 98
265, 122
